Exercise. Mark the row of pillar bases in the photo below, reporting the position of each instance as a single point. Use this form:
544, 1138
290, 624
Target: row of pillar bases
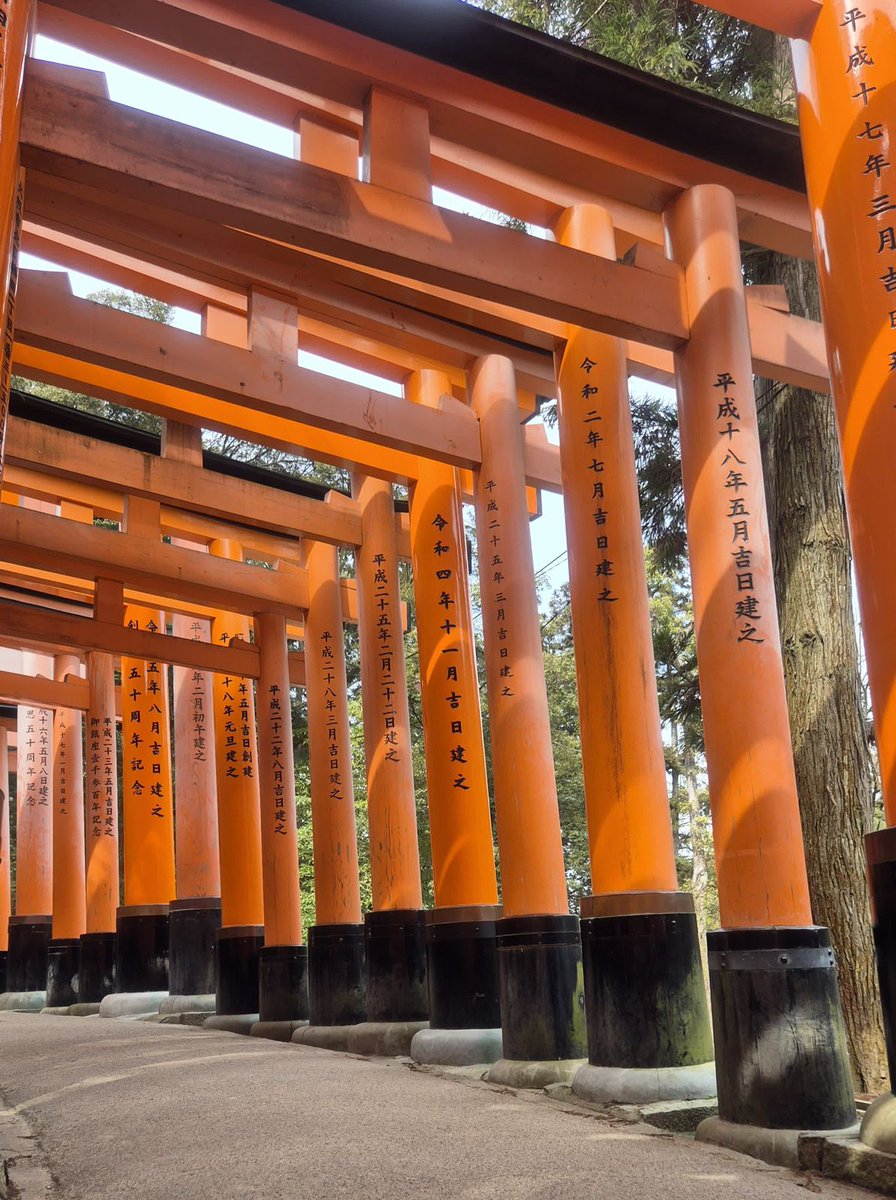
614, 1002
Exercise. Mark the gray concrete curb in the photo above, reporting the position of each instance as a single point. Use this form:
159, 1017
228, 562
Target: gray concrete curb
231, 1022
456, 1047
187, 1004
277, 1031
22, 1001
323, 1037
622, 1085
384, 1039
799, 1149
515, 1073
131, 1004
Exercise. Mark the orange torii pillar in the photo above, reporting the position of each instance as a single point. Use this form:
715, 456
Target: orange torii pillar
195, 916
396, 956
845, 72
30, 927
336, 959
147, 817
96, 978
461, 946
69, 884
283, 960
539, 952
645, 1000
781, 1057
241, 935
16, 27
5, 857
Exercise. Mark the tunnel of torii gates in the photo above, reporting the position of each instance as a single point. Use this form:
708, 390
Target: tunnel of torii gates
646, 192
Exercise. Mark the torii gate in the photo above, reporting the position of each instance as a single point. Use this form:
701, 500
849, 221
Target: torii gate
676, 303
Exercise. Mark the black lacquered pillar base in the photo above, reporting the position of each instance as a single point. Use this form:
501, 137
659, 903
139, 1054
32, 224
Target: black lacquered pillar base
781, 1053
26, 961
236, 956
96, 974
141, 963
462, 967
396, 966
3, 956
191, 954
542, 994
337, 975
283, 983
645, 999
63, 968
880, 852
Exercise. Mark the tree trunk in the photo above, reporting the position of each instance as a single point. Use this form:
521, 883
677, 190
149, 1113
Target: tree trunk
699, 865
812, 568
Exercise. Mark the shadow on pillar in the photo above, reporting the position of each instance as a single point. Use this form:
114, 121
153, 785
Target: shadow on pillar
542, 997
3, 957
647, 1018
337, 975
26, 961
236, 955
192, 927
142, 948
879, 1122
781, 1052
396, 966
96, 974
283, 983
63, 970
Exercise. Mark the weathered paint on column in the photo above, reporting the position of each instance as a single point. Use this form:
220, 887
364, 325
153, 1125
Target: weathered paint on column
239, 830
337, 895
102, 796
34, 800
69, 886
198, 868
277, 786
529, 841
5, 846
392, 818
463, 857
16, 18
846, 83
629, 827
756, 823
147, 799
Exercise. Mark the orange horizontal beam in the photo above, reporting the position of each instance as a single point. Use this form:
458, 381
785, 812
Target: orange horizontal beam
72, 132
791, 18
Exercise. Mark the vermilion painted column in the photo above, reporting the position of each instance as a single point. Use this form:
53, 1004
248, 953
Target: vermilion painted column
98, 944
69, 884
147, 816
16, 19
462, 959
396, 960
5, 857
30, 927
845, 72
538, 942
283, 962
195, 916
763, 892
336, 974
239, 831
644, 993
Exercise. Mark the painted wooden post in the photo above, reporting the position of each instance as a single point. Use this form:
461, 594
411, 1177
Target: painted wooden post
645, 1000
461, 947
539, 952
5, 857
768, 959
336, 958
396, 960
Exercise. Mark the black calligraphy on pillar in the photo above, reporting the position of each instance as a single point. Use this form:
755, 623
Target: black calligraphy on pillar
335, 751
101, 751
44, 720
62, 762
873, 163
734, 458
37, 751
148, 719
386, 651
591, 422
498, 590
446, 550
198, 695
276, 733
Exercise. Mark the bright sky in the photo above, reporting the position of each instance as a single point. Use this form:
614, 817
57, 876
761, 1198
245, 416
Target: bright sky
151, 95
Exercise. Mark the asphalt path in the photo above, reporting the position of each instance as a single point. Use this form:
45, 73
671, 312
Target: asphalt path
129, 1111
